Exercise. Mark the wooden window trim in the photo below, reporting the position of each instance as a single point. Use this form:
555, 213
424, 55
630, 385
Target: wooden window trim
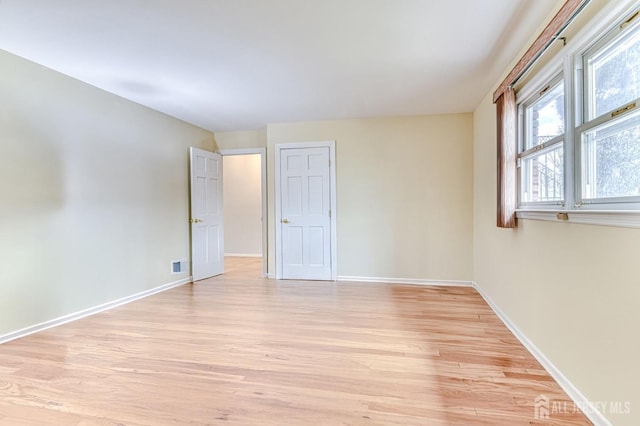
504, 98
506, 160
565, 15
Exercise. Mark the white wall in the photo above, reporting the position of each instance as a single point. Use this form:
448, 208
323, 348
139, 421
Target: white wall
242, 180
242, 139
404, 193
93, 195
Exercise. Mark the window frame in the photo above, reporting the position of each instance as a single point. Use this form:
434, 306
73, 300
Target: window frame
537, 92
570, 64
613, 203
587, 123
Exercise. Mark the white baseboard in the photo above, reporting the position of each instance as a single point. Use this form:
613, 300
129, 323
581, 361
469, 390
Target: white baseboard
243, 255
90, 311
412, 281
592, 413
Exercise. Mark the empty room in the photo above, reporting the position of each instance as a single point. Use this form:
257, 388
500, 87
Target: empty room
337, 212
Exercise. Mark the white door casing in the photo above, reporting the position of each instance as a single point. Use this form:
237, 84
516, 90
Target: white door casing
305, 204
207, 233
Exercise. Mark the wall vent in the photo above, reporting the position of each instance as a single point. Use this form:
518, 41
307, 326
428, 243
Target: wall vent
178, 266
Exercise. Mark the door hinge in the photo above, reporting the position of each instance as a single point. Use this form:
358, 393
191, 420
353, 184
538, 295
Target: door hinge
329, 212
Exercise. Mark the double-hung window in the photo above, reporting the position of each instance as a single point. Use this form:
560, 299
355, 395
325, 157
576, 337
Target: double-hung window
579, 127
608, 141
541, 153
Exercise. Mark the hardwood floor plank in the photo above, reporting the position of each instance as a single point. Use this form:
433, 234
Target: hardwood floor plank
240, 349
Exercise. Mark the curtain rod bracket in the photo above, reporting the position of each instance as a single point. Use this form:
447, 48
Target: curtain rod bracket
569, 10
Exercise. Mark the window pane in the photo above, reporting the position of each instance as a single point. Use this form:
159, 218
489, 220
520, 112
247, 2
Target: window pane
614, 74
611, 159
543, 177
545, 117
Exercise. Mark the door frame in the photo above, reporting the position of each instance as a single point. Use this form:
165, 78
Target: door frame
333, 207
263, 192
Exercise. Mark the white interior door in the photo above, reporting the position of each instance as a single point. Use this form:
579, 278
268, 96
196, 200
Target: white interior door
207, 237
305, 203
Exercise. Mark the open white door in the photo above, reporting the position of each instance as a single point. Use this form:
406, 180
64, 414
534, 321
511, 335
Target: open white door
207, 237
305, 193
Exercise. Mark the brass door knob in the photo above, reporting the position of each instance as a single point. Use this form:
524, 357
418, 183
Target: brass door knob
196, 220
285, 221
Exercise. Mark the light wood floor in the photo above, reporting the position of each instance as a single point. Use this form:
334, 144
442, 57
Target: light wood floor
239, 349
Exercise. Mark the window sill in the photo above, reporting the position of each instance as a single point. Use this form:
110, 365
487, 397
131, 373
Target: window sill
619, 218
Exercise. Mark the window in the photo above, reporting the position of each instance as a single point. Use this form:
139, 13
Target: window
609, 139
586, 158
541, 156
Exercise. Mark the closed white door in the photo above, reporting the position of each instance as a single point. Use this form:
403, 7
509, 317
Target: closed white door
207, 238
305, 203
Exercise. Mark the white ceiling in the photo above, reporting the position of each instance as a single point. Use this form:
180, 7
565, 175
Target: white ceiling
240, 64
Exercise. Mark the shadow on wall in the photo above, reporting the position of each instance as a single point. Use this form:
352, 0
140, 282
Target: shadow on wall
31, 173
32, 194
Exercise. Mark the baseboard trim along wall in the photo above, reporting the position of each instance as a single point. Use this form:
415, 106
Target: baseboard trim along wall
243, 254
592, 413
412, 281
90, 311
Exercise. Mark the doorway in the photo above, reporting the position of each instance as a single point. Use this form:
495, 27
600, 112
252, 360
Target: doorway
244, 189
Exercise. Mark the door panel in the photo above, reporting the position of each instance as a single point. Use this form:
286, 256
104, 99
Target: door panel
306, 222
316, 198
294, 205
316, 244
295, 245
207, 251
